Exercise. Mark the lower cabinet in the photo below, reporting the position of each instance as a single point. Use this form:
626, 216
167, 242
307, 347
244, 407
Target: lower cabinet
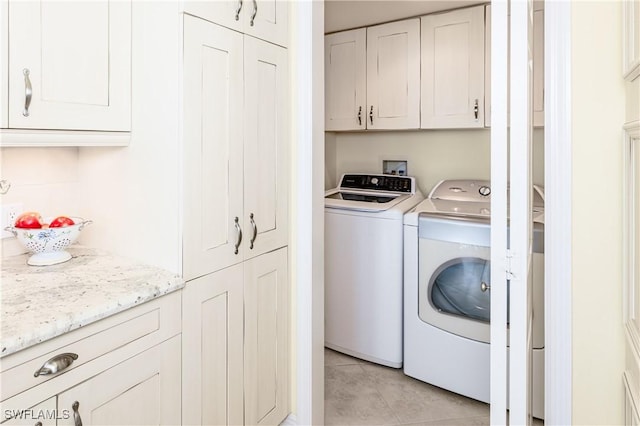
236, 344
126, 370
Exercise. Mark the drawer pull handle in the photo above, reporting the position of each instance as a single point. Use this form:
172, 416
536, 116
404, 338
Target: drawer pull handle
255, 231
238, 10
475, 109
371, 115
56, 364
360, 116
255, 11
77, 420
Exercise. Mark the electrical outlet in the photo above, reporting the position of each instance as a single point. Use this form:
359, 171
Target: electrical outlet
8, 217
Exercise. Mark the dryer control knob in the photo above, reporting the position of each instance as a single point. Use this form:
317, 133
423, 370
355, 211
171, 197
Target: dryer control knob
374, 181
484, 191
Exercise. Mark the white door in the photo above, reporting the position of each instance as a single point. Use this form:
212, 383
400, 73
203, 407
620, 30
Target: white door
345, 74
511, 266
453, 69
393, 75
266, 350
70, 65
212, 349
266, 142
212, 137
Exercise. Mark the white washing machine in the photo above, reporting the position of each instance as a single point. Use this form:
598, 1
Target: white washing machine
363, 265
447, 307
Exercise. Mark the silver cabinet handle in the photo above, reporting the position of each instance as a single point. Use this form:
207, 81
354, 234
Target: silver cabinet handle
475, 109
27, 92
238, 234
255, 11
371, 115
360, 116
238, 10
56, 364
255, 231
77, 420
484, 286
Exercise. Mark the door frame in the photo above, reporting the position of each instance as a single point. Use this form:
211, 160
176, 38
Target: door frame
307, 211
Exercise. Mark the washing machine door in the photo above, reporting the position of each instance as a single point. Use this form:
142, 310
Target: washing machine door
454, 268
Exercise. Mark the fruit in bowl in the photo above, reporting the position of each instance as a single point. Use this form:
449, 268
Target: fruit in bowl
47, 238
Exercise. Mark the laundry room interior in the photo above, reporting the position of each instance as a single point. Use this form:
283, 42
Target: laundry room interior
446, 144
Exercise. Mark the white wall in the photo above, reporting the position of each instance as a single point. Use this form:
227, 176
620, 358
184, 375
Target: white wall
43, 180
598, 115
432, 155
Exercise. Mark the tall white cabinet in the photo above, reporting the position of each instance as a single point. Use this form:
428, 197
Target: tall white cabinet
373, 77
236, 300
453, 69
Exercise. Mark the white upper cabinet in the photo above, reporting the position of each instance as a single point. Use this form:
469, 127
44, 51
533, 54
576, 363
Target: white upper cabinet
346, 80
212, 133
266, 154
264, 19
372, 77
393, 75
69, 65
453, 69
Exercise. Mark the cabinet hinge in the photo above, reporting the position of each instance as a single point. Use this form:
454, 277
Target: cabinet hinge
509, 256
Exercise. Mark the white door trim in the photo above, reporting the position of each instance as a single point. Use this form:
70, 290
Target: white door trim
558, 189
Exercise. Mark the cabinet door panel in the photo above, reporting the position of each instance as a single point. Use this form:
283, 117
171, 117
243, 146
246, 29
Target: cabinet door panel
267, 339
265, 146
393, 75
212, 146
453, 69
267, 20
79, 59
142, 390
212, 349
346, 80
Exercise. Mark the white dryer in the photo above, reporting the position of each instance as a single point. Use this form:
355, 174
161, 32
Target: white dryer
447, 307
363, 265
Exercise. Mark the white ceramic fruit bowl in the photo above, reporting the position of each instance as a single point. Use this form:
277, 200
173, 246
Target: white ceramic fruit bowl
48, 244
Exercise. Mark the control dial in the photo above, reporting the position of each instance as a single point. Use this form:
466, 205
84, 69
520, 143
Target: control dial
374, 180
484, 191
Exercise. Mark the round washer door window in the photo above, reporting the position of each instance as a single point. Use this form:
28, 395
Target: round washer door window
456, 288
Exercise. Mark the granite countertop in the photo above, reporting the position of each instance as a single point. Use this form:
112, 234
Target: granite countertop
42, 302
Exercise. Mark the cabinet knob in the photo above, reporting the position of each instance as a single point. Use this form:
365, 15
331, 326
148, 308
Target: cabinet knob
371, 115
475, 109
360, 115
56, 364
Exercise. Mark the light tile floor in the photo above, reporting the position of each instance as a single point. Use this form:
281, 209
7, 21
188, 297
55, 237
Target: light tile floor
358, 392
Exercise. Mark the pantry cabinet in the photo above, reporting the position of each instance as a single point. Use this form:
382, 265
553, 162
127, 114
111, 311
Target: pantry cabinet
236, 344
235, 147
124, 369
264, 19
67, 66
392, 77
453, 69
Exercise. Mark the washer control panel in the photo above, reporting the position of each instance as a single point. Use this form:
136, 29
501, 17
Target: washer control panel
462, 190
386, 183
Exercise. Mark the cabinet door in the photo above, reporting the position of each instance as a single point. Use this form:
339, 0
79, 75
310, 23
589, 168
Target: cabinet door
212, 137
212, 349
393, 75
266, 339
266, 145
264, 19
142, 390
345, 61
76, 57
453, 69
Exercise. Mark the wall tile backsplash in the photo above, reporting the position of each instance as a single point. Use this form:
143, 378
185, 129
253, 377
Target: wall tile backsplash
43, 180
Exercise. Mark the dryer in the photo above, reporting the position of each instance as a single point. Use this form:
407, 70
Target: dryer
364, 267
447, 305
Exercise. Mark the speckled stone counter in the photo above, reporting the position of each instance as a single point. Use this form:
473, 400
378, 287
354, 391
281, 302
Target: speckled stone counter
42, 302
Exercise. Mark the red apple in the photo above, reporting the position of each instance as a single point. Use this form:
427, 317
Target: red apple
29, 220
61, 222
